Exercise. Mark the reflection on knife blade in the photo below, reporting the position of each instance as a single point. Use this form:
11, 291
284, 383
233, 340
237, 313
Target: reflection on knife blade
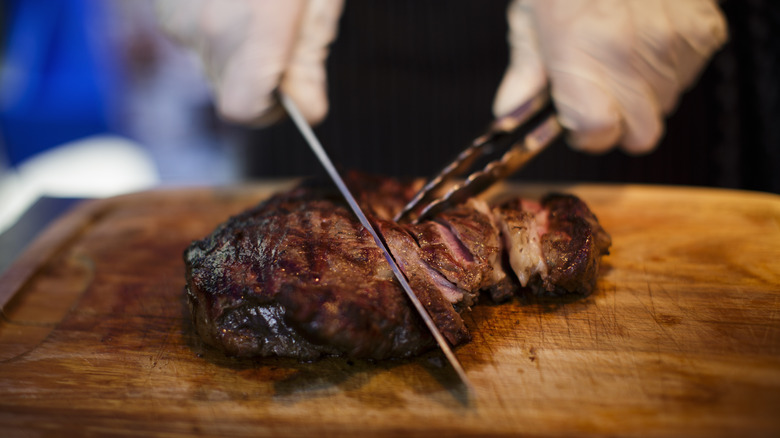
319, 151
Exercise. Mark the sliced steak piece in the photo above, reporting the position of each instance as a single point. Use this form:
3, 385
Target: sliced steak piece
440, 249
472, 224
433, 290
554, 246
572, 246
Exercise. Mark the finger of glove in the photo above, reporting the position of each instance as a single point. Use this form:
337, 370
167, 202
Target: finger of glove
576, 38
586, 110
525, 75
247, 56
589, 50
305, 79
601, 110
642, 115
674, 41
701, 30
657, 58
214, 32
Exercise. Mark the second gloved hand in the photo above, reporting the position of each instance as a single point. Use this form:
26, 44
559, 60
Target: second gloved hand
250, 48
615, 67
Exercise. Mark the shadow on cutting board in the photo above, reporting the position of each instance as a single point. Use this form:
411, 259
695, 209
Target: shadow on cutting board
293, 381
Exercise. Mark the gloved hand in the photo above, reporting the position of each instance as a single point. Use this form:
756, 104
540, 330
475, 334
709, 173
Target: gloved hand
615, 67
251, 47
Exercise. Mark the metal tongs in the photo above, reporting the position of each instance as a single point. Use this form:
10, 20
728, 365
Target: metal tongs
523, 133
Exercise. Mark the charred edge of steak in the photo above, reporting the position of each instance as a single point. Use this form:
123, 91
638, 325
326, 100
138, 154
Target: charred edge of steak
553, 247
572, 246
230, 310
386, 328
251, 329
229, 317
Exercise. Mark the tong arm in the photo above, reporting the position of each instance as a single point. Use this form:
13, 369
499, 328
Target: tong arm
534, 122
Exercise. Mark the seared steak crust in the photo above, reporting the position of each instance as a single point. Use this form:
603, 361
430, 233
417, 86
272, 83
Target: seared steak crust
573, 245
298, 276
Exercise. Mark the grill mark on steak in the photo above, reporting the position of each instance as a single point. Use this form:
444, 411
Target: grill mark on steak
298, 275
230, 301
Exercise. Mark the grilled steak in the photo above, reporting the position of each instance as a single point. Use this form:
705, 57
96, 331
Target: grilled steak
298, 276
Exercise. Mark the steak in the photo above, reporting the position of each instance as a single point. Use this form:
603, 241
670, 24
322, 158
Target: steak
298, 276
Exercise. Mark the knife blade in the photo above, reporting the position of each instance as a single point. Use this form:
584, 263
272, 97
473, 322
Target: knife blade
319, 151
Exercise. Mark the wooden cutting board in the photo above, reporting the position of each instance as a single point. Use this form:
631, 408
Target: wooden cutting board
680, 338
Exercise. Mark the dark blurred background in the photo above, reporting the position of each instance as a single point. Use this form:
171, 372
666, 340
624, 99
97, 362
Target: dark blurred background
411, 83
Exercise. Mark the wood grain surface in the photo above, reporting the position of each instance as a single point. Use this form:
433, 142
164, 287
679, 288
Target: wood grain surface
680, 338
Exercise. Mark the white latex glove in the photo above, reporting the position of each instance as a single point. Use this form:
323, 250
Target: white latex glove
615, 67
249, 48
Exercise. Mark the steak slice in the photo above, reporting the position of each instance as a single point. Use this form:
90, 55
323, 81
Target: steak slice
298, 276
473, 225
441, 250
433, 290
555, 246
572, 246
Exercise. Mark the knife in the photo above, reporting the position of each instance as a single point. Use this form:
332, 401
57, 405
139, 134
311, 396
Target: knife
319, 151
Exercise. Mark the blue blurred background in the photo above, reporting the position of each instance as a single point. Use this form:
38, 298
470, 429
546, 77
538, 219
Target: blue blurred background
61, 78
96, 101
77, 68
